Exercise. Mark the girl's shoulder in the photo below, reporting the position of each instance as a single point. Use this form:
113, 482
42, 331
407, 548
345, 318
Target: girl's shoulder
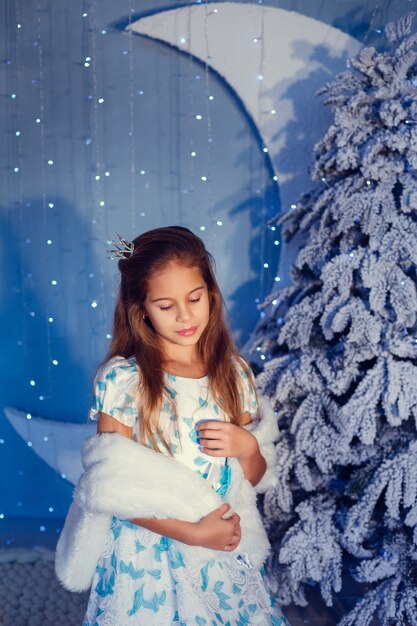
243, 368
115, 390
117, 368
247, 385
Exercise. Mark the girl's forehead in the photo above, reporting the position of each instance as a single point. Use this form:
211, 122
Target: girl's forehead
175, 278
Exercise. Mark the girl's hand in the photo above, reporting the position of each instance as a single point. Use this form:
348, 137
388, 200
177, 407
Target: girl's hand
225, 439
212, 531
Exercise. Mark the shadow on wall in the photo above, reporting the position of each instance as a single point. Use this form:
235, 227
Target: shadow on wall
244, 300
299, 92
294, 144
75, 339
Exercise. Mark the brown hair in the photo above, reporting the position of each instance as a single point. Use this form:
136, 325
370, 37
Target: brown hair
134, 336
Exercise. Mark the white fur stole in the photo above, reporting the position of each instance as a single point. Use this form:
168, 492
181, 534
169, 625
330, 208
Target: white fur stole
125, 479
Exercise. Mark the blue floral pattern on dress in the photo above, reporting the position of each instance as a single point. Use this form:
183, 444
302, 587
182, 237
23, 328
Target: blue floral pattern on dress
141, 578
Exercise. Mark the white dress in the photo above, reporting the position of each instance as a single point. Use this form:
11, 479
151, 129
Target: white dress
141, 579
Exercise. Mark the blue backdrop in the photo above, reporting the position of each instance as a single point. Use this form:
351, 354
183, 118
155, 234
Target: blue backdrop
99, 130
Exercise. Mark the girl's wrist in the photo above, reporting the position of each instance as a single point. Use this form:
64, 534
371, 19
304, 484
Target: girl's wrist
191, 534
251, 449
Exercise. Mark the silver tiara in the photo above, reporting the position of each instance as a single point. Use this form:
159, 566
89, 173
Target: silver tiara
124, 249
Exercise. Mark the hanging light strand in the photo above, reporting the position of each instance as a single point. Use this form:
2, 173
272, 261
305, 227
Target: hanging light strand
98, 194
133, 208
263, 170
41, 75
371, 23
191, 95
207, 14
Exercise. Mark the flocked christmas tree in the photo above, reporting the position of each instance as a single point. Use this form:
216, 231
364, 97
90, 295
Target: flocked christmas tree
341, 352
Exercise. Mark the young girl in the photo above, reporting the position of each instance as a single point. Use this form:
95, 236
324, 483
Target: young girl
174, 385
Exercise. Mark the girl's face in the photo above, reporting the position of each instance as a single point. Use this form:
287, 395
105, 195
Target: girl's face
177, 305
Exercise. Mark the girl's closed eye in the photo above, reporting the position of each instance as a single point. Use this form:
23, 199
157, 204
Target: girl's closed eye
167, 308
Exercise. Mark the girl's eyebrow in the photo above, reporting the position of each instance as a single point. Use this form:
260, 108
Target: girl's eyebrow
189, 294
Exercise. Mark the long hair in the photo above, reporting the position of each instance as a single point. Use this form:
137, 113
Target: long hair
134, 336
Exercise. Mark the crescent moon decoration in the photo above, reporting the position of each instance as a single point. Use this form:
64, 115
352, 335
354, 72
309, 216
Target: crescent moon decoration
271, 58
57, 443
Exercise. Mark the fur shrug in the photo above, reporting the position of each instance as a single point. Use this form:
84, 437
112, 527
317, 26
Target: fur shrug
128, 480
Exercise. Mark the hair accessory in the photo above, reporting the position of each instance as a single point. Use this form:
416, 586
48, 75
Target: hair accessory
124, 249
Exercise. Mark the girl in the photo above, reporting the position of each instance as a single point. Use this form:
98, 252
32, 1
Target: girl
173, 382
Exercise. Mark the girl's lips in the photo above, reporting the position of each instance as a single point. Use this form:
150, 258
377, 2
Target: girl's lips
187, 332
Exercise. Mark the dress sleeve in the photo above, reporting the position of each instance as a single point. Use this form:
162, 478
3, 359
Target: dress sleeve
115, 391
248, 394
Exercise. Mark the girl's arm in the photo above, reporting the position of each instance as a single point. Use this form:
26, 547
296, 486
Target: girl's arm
212, 531
252, 461
226, 439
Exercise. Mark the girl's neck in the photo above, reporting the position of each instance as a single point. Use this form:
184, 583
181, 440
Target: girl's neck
187, 369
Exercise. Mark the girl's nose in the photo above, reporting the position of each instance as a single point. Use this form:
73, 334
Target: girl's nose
183, 314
